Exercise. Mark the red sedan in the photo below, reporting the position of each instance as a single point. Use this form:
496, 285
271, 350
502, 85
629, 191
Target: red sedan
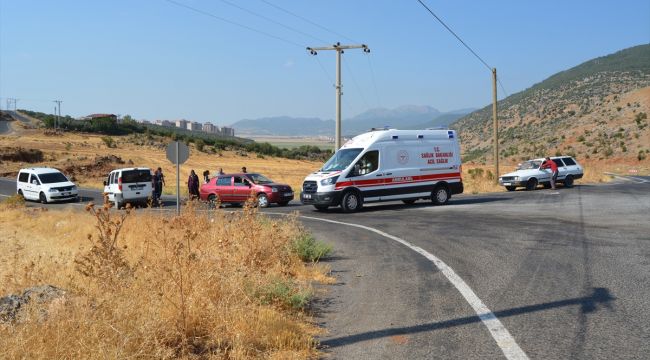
237, 188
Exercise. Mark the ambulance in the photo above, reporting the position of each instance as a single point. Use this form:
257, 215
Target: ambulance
388, 165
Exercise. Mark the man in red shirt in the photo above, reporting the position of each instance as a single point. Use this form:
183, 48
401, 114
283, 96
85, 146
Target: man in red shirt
550, 164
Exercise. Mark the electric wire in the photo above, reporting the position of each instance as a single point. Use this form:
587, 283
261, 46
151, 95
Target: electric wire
356, 84
453, 33
271, 20
374, 83
202, 12
307, 20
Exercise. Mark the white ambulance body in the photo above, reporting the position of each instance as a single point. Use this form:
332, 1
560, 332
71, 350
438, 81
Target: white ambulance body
385, 165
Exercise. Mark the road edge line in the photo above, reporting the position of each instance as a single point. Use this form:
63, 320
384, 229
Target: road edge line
499, 333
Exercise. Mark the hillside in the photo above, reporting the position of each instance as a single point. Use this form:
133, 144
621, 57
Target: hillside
596, 110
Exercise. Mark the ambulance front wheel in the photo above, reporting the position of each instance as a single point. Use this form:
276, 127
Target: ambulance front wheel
351, 202
440, 195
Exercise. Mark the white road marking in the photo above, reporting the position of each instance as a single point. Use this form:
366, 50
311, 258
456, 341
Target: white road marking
504, 340
628, 178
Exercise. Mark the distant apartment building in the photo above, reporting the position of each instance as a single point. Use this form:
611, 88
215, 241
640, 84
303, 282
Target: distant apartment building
182, 123
194, 126
210, 128
145, 122
166, 123
227, 131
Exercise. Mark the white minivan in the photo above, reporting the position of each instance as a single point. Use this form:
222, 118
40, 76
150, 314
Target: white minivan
385, 165
45, 184
129, 185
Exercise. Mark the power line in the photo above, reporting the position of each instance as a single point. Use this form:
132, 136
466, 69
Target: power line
202, 12
457, 37
372, 76
308, 21
271, 20
354, 80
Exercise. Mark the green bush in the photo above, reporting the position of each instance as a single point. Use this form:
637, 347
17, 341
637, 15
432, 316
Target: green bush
200, 145
284, 293
310, 249
109, 141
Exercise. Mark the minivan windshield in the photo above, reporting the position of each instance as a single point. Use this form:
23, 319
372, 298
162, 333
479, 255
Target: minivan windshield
51, 178
135, 176
526, 165
260, 179
341, 159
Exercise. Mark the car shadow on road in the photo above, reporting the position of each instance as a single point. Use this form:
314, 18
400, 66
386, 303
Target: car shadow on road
420, 205
600, 297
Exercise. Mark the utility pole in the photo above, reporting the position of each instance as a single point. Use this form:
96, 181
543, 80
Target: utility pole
495, 124
339, 50
58, 114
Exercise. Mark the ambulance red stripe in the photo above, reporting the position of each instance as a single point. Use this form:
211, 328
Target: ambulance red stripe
390, 181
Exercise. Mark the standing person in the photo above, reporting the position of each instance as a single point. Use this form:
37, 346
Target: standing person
550, 164
206, 176
243, 169
193, 185
159, 183
156, 189
221, 171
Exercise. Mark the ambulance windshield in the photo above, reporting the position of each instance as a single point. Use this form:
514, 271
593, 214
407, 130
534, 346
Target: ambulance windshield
341, 160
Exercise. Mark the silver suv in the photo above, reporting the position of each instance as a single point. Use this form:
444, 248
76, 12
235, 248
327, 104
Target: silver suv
529, 174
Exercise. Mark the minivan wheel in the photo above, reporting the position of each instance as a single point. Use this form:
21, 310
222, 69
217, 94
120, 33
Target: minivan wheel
351, 202
531, 184
440, 195
42, 198
568, 181
262, 200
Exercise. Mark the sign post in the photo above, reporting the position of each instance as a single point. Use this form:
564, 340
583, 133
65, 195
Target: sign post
178, 153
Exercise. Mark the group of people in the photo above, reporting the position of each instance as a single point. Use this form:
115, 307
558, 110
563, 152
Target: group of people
193, 181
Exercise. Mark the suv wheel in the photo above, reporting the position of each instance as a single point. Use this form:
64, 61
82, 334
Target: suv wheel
42, 198
440, 195
262, 200
531, 184
568, 181
20, 193
351, 202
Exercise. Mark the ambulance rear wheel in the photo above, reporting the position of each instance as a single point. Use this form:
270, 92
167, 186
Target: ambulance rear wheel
440, 195
321, 207
351, 202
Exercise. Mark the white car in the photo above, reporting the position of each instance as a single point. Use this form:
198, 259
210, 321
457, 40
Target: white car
45, 184
529, 175
130, 185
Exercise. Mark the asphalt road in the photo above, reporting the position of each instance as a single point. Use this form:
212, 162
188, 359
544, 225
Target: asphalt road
567, 274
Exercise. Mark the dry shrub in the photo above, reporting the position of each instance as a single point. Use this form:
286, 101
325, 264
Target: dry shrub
201, 285
480, 179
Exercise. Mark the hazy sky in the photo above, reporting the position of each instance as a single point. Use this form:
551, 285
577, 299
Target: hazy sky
153, 59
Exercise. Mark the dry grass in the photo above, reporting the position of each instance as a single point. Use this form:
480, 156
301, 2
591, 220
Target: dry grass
226, 286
